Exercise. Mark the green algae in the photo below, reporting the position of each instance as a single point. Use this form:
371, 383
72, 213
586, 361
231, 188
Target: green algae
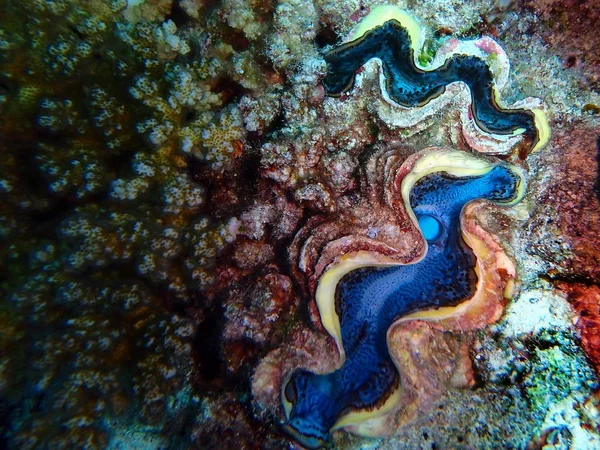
558, 370
428, 51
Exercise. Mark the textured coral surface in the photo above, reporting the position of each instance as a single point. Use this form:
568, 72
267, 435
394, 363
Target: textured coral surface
174, 181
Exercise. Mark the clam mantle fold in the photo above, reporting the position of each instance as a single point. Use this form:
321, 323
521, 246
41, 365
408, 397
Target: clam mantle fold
359, 301
394, 38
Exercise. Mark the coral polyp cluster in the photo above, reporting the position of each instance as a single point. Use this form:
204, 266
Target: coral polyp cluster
111, 138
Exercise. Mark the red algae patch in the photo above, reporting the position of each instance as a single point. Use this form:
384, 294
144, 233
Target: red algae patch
585, 301
565, 224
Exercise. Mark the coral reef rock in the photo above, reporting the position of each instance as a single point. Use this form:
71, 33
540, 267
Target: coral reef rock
176, 183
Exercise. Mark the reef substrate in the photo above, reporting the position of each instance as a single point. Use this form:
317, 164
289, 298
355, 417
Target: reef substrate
174, 182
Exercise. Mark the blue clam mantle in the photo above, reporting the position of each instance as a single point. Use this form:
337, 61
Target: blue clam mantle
393, 37
368, 300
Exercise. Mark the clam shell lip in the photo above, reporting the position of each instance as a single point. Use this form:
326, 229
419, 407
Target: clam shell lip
480, 64
355, 418
310, 442
383, 13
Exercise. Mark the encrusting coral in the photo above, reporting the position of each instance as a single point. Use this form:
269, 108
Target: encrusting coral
175, 183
